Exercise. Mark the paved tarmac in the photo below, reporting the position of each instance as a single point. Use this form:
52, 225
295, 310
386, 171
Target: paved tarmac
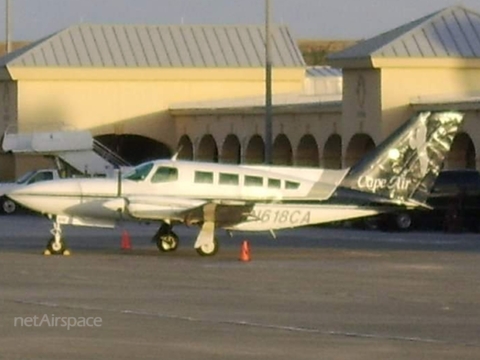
312, 293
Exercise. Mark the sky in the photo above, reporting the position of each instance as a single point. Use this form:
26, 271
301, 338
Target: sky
307, 19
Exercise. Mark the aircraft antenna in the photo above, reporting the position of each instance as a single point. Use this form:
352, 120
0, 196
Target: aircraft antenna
175, 156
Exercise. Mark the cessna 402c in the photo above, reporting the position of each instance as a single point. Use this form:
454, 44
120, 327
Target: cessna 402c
398, 173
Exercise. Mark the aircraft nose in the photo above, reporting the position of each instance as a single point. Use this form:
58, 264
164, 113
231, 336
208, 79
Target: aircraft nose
53, 187
25, 190
42, 195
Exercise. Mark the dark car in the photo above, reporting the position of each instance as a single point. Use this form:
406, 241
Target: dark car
455, 199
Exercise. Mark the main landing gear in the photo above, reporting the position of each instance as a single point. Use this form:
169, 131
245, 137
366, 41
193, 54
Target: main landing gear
56, 245
206, 244
208, 249
165, 238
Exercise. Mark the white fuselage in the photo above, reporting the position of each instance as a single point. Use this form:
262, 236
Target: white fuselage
176, 190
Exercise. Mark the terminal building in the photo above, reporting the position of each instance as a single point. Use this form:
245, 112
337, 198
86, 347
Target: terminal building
150, 91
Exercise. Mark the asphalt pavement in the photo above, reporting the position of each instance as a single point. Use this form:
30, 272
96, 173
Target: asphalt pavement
314, 293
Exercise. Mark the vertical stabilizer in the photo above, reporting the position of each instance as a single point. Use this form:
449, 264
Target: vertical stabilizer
404, 167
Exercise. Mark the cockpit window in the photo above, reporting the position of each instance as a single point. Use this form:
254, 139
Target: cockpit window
140, 172
41, 176
165, 174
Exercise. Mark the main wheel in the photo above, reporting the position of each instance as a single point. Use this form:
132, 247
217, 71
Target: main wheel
8, 206
209, 249
56, 248
167, 242
403, 221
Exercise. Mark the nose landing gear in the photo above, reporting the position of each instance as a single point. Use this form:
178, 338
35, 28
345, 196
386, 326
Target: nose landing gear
56, 245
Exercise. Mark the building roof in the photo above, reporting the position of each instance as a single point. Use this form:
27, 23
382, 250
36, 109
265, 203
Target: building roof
322, 72
469, 101
281, 102
453, 32
132, 46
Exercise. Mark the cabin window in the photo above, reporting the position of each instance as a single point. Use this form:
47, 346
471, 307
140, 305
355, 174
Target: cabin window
203, 177
253, 180
292, 185
228, 179
139, 173
274, 183
165, 174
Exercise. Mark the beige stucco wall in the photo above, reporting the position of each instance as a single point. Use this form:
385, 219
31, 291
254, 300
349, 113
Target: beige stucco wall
362, 105
472, 128
8, 114
295, 125
376, 101
401, 86
134, 102
8, 103
119, 101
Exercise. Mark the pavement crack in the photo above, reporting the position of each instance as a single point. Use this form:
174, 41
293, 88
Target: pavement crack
299, 329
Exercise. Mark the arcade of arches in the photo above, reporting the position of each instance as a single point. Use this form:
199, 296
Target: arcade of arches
306, 152
136, 149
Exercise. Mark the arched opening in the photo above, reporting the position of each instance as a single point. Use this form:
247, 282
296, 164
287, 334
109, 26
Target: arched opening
282, 151
462, 154
359, 146
255, 153
307, 152
135, 149
185, 147
231, 150
332, 152
207, 149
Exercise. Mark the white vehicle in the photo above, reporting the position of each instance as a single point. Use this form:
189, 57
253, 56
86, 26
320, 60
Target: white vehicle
9, 206
399, 173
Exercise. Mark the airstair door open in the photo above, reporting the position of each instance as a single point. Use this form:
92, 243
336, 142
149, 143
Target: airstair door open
77, 148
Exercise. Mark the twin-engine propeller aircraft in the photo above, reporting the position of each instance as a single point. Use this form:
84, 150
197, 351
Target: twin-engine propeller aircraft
398, 173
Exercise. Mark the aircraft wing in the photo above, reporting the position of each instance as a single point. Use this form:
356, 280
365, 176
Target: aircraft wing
189, 211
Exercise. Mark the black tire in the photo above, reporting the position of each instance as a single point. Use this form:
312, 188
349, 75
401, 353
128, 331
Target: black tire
56, 249
8, 206
403, 221
209, 249
167, 242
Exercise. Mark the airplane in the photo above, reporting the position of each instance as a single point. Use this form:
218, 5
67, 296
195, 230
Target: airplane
400, 172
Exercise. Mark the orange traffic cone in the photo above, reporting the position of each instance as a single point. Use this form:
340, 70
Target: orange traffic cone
126, 243
245, 251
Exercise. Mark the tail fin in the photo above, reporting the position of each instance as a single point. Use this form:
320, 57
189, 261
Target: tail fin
404, 167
